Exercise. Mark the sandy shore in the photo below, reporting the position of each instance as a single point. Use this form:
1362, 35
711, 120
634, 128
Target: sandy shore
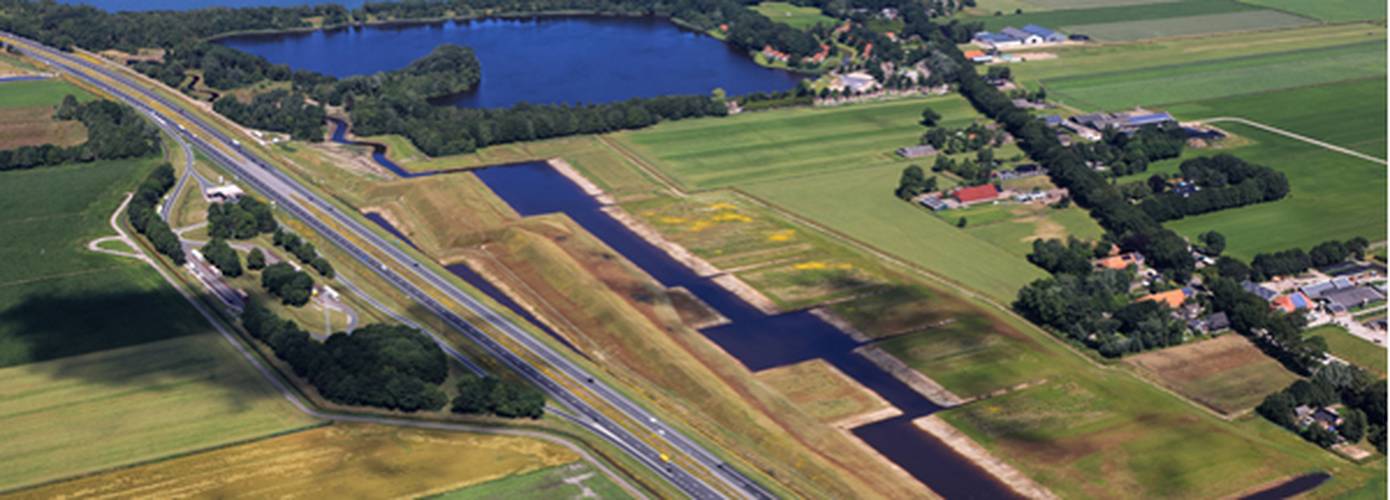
836, 321
586, 185
749, 294
972, 451
913, 378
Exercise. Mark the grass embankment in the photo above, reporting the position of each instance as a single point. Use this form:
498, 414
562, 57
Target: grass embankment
86, 413
1227, 373
1353, 349
577, 480
792, 15
342, 460
822, 391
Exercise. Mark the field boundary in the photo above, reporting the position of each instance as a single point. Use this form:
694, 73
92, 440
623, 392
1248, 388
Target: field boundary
1272, 129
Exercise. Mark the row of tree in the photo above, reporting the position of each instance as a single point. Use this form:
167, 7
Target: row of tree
114, 131
303, 250
244, 219
1225, 182
1293, 261
1278, 334
223, 257
292, 287
1362, 396
146, 220
491, 395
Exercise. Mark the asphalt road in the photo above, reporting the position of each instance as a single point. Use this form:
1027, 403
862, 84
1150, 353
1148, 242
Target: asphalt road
294, 198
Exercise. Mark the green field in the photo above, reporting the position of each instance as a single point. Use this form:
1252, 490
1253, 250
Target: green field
56, 297
1097, 12
1192, 25
1334, 113
1353, 349
752, 147
989, 7
971, 355
577, 480
791, 15
101, 410
37, 93
1333, 11
860, 204
1014, 227
1210, 79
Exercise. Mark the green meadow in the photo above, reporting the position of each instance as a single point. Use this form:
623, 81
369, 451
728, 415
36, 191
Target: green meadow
1210, 79
23, 94
971, 355
760, 146
1351, 348
792, 15
1107, 12
1191, 25
1332, 11
56, 297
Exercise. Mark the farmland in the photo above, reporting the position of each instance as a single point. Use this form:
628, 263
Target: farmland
1014, 226
1125, 21
822, 391
29, 93
576, 480
342, 460
1333, 11
792, 15
1192, 25
753, 147
1354, 350
35, 126
79, 300
972, 355
140, 403
1227, 373
1215, 78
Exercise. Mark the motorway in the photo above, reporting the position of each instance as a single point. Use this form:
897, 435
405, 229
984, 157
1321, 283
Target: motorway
294, 198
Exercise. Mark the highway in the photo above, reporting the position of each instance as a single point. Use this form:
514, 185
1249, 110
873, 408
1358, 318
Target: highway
297, 200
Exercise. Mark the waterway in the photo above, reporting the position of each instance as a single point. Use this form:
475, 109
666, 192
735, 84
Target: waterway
545, 60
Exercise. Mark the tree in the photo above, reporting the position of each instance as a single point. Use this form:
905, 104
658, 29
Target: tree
255, 260
1278, 408
913, 182
961, 222
1213, 243
223, 257
930, 117
1353, 425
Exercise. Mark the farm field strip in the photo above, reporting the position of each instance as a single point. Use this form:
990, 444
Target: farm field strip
792, 15
1227, 373
1220, 77
1069, 18
1249, 20
22, 94
1333, 11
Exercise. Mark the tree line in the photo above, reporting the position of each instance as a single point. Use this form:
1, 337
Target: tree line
1266, 266
114, 131
1363, 414
146, 220
1223, 181
279, 111
304, 251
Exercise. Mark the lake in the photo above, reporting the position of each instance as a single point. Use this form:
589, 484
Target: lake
545, 60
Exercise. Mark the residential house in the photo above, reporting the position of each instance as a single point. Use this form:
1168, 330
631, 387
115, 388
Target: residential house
1292, 302
1212, 323
916, 151
1121, 261
1047, 35
1262, 291
1171, 298
978, 56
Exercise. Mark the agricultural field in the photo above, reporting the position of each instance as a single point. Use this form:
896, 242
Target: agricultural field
792, 15
1009, 7
1332, 11
56, 297
1192, 25
35, 126
1333, 113
29, 93
1014, 226
576, 480
1320, 206
860, 204
779, 144
1068, 18
139, 403
822, 391
338, 461
1211, 79
1227, 373
1353, 349
972, 355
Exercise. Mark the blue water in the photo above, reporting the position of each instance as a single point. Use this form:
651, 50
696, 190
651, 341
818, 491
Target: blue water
545, 60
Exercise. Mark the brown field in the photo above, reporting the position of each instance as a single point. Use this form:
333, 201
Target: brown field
34, 126
1227, 373
441, 214
822, 391
339, 461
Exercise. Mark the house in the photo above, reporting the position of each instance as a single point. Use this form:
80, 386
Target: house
1063, 138
978, 56
1047, 35
1303, 415
1212, 323
223, 193
1024, 37
1084, 131
1137, 121
1260, 290
916, 151
1292, 302
1317, 290
1030, 196
1327, 417
1347, 299
1121, 261
774, 54
1027, 104
1185, 188
1019, 172
977, 194
1052, 120
1171, 298
996, 40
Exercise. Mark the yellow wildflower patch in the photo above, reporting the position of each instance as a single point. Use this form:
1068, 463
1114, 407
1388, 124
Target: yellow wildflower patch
782, 235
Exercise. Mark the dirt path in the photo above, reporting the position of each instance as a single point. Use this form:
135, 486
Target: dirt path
121, 236
1291, 135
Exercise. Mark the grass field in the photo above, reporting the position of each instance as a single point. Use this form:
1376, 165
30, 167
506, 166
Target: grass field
1014, 226
56, 297
1334, 112
30, 93
791, 15
1227, 373
1333, 11
85, 413
751, 147
860, 204
1065, 17
1353, 349
576, 480
1192, 25
971, 355
34, 126
339, 461
1216, 78
822, 391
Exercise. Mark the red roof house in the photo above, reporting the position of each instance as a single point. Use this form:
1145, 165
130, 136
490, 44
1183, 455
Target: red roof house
977, 194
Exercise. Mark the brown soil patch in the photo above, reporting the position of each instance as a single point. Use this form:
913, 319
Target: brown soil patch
1200, 360
693, 311
35, 126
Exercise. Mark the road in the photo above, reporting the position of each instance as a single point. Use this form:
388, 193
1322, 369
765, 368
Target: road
565, 381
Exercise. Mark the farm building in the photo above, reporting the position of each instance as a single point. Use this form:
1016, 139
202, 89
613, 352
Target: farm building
996, 40
1292, 302
1345, 299
1052, 120
1317, 290
1260, 290
1171, 298
1127, 122
1212, 323
1019, 172
1023, 37
1047, 35
978, 194
978, 56
935, 203
916, 151
1011, 37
